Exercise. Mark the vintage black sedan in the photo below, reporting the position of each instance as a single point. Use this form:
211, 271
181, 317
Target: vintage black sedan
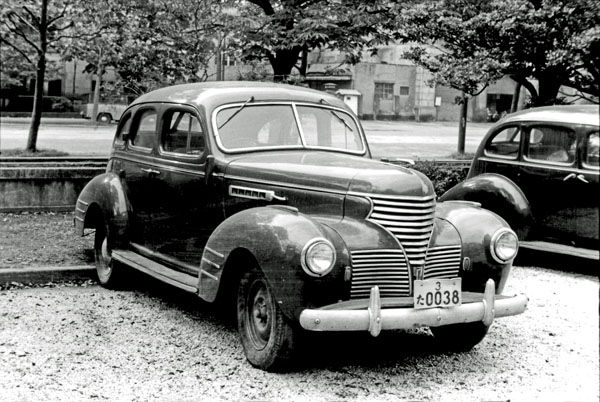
539, 170
265, 196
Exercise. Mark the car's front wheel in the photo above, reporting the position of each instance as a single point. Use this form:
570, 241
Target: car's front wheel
459, 337
267, 337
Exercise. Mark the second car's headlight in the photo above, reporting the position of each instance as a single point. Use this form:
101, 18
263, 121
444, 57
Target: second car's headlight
504, 245
318, 257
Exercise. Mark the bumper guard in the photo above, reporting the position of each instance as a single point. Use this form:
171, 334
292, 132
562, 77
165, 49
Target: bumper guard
374, 318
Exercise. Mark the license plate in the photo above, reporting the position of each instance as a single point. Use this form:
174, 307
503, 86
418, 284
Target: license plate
437, 293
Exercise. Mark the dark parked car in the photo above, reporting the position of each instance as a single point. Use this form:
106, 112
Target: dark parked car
265, 196
539, 169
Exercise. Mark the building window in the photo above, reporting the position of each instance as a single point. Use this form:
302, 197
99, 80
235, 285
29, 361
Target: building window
383, 90
404, 91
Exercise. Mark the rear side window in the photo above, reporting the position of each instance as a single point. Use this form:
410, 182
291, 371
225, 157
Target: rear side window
144, 137
182, 134
552, 144
505, 143
592, 156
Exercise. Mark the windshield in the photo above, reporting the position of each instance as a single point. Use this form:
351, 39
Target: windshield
275, 126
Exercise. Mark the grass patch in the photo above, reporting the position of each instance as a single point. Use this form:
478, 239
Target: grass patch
23, 153
463, 156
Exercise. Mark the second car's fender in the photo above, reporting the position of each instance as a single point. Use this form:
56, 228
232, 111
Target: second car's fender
497, 194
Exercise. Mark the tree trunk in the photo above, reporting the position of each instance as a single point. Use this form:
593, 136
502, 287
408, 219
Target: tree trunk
74, 93
283, 61
97, 91
514, 105
40, 75
462, 125
548, 86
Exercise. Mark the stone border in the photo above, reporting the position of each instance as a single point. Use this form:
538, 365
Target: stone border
41, 275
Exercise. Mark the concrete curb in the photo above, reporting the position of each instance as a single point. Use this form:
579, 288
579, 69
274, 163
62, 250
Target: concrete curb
40, 275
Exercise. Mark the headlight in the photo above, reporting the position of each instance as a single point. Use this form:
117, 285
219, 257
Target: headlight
318, 257
504, 245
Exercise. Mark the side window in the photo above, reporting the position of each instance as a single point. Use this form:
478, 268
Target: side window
123, 131
144, 137
505, 143
182, 134
592, 150
552, 144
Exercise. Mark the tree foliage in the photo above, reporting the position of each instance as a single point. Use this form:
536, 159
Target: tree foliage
282, 31
472, 43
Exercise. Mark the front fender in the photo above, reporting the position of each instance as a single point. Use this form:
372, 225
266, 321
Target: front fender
103, 197
498, 194
274, 237
476, 226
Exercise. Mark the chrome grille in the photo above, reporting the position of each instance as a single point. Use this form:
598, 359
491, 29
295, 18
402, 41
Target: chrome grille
410, 219
442, 262
385, 268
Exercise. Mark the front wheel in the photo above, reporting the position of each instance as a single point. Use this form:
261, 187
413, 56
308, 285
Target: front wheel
267, 337
460, 337
104, 118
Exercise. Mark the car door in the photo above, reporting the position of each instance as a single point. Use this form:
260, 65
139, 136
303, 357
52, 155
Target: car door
584, 186
185, 213
137, 170
549, 165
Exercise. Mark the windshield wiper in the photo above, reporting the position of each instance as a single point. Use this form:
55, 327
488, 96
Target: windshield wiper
337, 116
239, 109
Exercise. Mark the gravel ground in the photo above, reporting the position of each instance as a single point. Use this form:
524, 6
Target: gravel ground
78, 341
42, 239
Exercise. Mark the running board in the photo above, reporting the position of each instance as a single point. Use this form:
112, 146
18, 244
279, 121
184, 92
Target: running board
178, 279
561, 249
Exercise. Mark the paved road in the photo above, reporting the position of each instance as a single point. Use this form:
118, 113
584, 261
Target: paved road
395, 139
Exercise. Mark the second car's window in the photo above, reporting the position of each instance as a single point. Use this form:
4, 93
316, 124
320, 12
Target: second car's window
182, 134
552, 144
592, 150
505, 143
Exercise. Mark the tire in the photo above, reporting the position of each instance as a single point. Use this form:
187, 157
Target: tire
104, 118
267, 337
110, 274
459, 337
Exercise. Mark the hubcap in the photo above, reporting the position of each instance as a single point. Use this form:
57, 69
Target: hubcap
259, 315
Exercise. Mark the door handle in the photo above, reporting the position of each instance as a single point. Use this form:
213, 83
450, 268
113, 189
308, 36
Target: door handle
582, 178
570, 176
150, 171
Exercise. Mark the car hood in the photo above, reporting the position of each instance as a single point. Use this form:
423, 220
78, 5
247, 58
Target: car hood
329, 171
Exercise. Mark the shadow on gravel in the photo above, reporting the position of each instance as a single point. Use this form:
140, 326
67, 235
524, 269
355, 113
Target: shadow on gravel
559, 262
318, 351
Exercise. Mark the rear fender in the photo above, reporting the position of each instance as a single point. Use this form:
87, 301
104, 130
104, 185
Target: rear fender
273, 238
104, 197
498, 194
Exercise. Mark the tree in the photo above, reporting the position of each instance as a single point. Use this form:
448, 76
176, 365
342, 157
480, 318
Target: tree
283, 32
555, 42
31, 29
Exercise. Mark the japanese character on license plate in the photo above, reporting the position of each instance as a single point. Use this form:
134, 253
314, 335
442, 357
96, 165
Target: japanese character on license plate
437, 293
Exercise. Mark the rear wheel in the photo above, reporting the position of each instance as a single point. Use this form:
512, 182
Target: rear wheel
460, 337
267, 337
110, 274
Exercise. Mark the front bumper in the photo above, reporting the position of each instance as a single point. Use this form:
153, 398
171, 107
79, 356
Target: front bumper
374, 318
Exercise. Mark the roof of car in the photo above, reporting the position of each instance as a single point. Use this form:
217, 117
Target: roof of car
572, 114
213, 94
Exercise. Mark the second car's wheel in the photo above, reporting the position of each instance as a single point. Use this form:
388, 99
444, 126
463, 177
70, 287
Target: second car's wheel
267, 337
459, 337
110, 274
104, 118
